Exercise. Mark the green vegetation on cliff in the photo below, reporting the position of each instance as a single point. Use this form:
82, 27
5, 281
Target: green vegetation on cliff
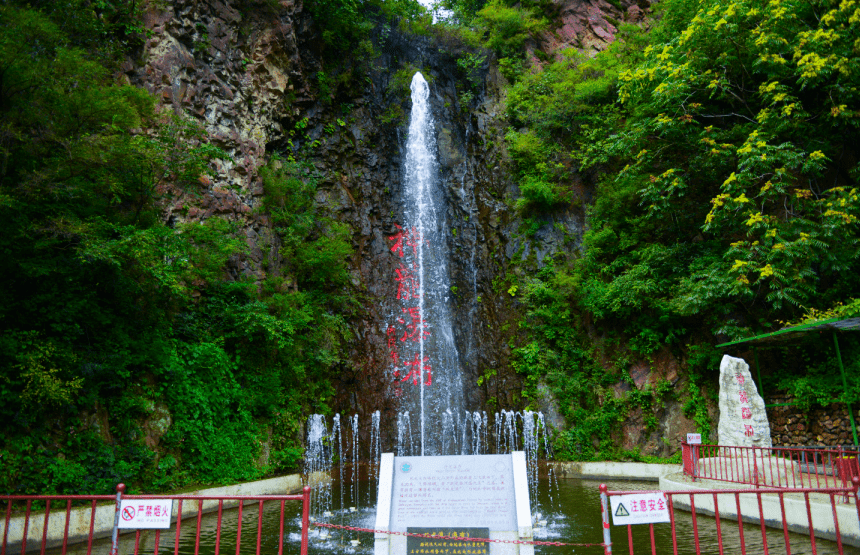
127, 352
722, 150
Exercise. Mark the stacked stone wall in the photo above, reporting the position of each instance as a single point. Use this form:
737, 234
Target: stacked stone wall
791, 426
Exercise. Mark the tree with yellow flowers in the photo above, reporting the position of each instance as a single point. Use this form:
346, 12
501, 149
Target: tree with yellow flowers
740, 139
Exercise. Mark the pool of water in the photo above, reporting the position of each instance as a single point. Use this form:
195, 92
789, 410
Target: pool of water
571, 509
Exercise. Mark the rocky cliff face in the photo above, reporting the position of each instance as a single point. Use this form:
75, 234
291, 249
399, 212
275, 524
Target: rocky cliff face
589, 25
252, 76
255, 78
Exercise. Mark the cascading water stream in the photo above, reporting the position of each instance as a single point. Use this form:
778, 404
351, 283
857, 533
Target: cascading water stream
432, 381
354, 474
375, 451
427, 367
318, 462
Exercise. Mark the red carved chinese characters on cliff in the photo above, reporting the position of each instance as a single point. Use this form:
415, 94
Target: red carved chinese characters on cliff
415, 371
410, 238
407, 284
415, 325
408, 330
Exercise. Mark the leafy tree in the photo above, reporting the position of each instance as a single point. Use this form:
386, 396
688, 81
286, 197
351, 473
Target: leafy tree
112, 318
507, 28
739, 111
722, 149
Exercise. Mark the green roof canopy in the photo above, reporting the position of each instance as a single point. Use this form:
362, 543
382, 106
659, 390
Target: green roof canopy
835, 324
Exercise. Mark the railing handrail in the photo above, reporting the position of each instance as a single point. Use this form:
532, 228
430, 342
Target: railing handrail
826, 449
842, 490
22, 523
765, 507
775, 467
272, 497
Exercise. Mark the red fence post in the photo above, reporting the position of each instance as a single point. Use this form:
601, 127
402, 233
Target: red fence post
687, 458
604, 505
306, 507
697, 454
114, 546
855, 481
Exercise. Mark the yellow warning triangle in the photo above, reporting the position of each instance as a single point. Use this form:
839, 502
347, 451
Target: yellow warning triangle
621, 510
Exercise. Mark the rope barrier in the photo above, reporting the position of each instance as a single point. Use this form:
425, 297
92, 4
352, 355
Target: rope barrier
436, 537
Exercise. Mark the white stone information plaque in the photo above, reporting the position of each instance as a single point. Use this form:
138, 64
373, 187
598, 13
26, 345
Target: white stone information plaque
451, 491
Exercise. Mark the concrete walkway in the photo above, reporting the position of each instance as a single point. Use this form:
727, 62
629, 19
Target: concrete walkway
609, 470
796, 516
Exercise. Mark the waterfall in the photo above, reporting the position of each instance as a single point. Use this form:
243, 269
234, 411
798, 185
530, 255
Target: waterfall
318, 457
426, 362
375, 452
470, 435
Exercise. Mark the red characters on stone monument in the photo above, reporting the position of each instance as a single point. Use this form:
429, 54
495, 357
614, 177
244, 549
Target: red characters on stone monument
748, 430
746, 413
742, 395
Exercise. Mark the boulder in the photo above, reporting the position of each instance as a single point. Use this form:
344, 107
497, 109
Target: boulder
743, 420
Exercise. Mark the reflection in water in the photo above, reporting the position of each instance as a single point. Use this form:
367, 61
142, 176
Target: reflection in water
572, 516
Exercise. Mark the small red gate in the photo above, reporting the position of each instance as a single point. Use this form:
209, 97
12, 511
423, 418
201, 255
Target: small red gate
89, 520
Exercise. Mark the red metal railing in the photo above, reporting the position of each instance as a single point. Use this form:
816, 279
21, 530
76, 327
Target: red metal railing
773, 467
812, 511
23, 525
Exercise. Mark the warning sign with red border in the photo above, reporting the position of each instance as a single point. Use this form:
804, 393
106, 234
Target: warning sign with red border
145, 513
639, 508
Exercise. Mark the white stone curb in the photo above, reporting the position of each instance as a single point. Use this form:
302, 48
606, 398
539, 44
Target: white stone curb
614, 470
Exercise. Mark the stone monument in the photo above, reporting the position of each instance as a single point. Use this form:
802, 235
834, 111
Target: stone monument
477, 496
743, 424
743, 420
